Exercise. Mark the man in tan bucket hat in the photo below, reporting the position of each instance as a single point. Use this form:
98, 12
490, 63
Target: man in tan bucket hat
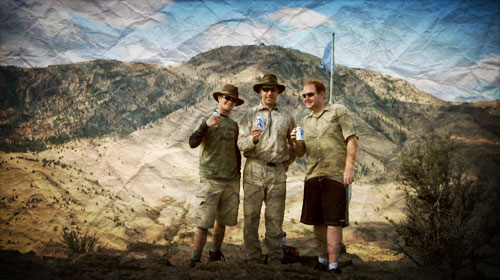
217, 198
269, 152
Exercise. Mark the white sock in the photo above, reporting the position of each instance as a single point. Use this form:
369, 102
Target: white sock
323, 261
333, 266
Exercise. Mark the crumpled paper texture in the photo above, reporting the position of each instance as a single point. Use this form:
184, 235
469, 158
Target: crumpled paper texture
448, 49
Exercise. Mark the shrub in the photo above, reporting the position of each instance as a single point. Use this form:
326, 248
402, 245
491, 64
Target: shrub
449, 224
78, 243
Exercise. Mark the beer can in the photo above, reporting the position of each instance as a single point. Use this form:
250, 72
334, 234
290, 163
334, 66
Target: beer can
216, 114
300, 133
259, 122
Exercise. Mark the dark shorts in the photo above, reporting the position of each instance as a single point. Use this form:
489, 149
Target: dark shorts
325, 203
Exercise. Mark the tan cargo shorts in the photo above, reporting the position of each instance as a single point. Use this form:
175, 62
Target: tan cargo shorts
217, 199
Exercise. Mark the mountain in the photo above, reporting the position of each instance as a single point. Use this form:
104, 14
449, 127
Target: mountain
101, 146
88, 99
52, 105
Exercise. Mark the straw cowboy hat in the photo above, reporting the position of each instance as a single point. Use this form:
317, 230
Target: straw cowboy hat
231, 91
269, 80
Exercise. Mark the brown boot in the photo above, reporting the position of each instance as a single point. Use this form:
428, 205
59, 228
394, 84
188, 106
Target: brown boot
216, 256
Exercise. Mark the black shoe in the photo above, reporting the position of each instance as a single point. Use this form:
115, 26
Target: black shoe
321, 267
335, 270
192, 263
265, 259
216, 256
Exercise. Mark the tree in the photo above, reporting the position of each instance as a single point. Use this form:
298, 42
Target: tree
450, 224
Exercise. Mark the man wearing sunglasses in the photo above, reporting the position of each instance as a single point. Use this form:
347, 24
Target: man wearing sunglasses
217, 198
330, 145
269, 152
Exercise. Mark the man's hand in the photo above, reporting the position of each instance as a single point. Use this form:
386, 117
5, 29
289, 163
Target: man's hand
293, 135
255, 133
213, 121
348, 177
298, 146
352, 150
286, 165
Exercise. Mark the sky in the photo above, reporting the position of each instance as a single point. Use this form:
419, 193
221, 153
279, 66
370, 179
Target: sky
450, 49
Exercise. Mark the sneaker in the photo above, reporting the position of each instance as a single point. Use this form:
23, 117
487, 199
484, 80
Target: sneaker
192, 263
321, 267
335, 270
216, 256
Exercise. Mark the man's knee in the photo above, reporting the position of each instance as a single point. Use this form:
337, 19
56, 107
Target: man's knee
202, 229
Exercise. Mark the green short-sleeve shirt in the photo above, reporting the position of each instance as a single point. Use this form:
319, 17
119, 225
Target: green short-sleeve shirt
325, 138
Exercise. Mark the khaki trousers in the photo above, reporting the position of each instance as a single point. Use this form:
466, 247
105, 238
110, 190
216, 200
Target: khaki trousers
263, 183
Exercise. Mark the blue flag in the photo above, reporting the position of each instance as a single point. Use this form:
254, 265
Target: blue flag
327, 58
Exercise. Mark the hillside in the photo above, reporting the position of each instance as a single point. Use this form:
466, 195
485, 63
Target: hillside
87, 99
109, 150
43, 106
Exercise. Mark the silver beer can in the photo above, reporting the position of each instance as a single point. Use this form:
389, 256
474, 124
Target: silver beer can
259, 122
300, 133
216, 114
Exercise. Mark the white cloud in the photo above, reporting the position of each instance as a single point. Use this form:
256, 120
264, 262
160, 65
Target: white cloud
117, 13
137, 52
477, 81
240, 34
487, 70
237, 32
300, 18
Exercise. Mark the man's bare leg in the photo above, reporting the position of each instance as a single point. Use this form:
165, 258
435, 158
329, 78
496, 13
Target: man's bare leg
218, 236
334, 240
320, 238
199, 240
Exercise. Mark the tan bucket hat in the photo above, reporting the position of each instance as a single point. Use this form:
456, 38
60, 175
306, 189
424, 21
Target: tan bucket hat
231, 91
269, 80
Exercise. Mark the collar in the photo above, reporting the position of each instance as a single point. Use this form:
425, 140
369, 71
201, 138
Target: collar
327, 108
261, 107
221, 114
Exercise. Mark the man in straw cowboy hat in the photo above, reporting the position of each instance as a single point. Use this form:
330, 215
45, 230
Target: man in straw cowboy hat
217, 198
269, 151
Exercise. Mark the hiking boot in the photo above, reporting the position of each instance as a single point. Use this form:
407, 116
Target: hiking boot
321, 267
216, 256
335, 270
192, 263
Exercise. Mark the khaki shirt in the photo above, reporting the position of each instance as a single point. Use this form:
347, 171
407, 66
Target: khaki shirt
325, 138
274, 144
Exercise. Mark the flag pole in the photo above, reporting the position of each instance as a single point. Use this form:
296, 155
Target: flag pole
332, 65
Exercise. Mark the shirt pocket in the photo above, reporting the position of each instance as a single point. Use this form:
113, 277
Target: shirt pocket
330, 126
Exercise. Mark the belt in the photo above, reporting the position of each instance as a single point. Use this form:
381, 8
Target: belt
271, 164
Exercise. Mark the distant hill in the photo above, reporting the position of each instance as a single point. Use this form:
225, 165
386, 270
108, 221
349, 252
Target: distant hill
88, 99
125, 169
54, 104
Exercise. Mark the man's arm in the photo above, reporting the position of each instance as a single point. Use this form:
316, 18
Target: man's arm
238, 154
290, 146
352, 149
197, 136
245, 139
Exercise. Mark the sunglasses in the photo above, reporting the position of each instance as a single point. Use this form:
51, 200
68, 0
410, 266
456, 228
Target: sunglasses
266, 89
309, 94
229, 98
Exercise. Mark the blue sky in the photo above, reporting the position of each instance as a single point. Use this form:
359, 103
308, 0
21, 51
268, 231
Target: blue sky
450, 49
